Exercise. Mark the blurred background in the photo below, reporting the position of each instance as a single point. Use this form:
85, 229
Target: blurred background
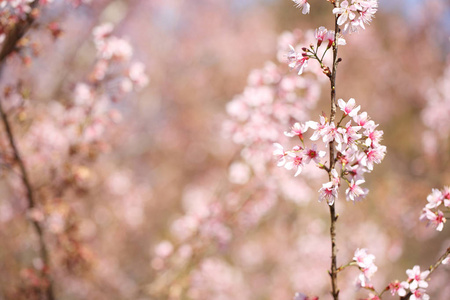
162, 204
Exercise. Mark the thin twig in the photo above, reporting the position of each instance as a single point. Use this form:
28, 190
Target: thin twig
31, 202
333, 217
431, 269
9, 46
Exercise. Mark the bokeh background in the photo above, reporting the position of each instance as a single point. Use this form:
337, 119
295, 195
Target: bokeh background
134, 199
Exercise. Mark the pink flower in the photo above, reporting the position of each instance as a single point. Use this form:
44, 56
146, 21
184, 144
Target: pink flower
330, 38
296, 60
280, 154
349, 133
297, 130
434, 199
374, 155
373, 136
329, 190
329, 133
319, 128
313, 154
436, 219
320, 35
356, 171
304, 5
419, 294
355, 192
345, 12
399, 288
367, 9
296, 161
361, 119
102, 31
137, 74
349, 107
446, 195
365, 262
416, 278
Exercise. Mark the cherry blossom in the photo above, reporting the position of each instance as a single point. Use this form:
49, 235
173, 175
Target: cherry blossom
419, 294
355, 192
297, 130
355, 14
313, 154
434, 199
319, 127
349, 134
435, 219
373, 155
373, 136
297, 61
304, 5
446, 195
349, 107
330, 37
320, 35
345, 12
361, 119
365, 262
416, 278
398, 288
328, 192
280, 154
296, 160
357, 152
434, 216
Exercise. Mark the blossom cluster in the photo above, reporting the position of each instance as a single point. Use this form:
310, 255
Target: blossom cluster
114, 76
431, 212
256, 118
71, 127
357, 144
416, 283
114, 62
355, 13
365, 263
270, 101
298, 61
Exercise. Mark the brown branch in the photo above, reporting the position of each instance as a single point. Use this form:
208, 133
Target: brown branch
9, 46
333, 217
31, 202
16, 33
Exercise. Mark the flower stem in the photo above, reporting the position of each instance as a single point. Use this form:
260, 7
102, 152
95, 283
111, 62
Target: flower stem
333, 217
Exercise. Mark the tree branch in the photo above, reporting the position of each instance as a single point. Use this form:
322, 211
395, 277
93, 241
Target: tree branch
9, 46
333, 217
431, 269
